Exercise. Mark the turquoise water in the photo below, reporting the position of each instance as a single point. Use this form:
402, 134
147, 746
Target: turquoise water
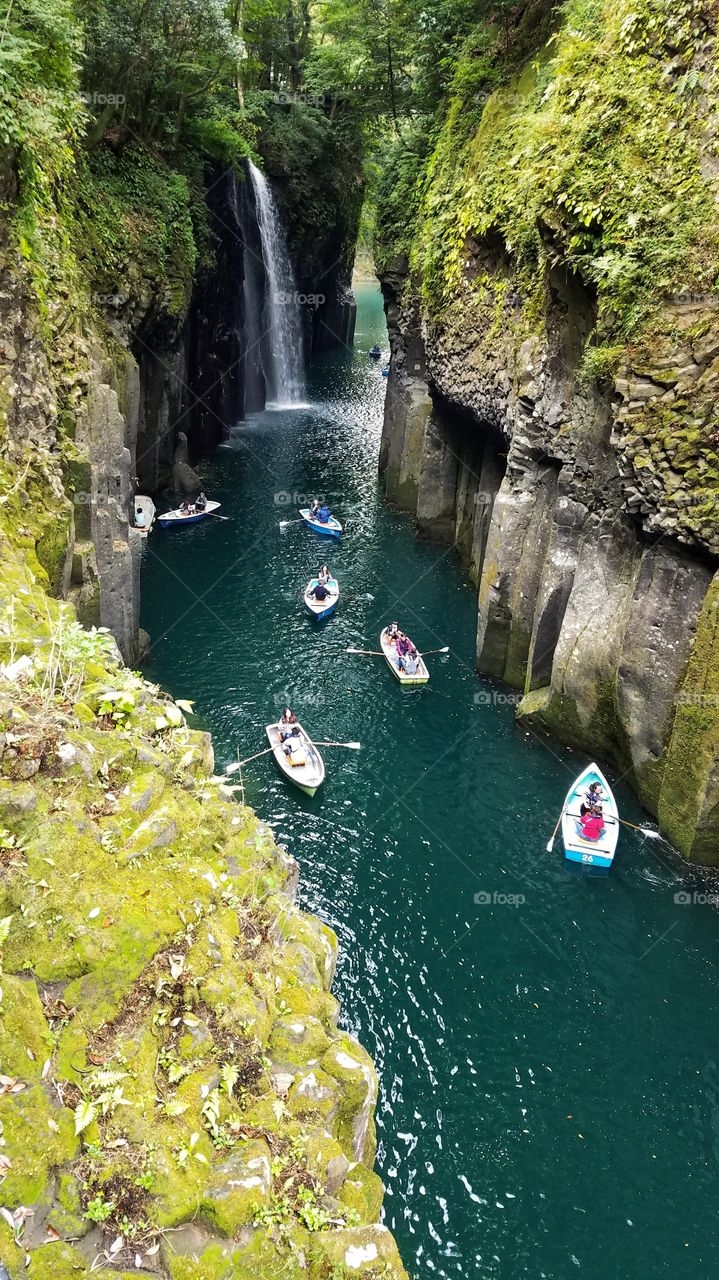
549, 1086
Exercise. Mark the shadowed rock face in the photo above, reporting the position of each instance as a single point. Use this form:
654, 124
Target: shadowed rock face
595, 572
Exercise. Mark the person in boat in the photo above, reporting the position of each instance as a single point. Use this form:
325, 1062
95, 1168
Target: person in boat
200, 501
392, 632
592, 796
410, 662
324, 515
185, 509
403, 644
375, 352
287, 724
292, 744
324, 574
140, 521
314, 508
591, 826
320, 591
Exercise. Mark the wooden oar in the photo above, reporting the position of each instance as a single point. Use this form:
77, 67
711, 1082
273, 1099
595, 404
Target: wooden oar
550, 842
646, 831
377, 653
238, 764
216, 517
284, 523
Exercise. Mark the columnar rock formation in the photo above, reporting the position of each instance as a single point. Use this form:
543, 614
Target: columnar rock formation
587, 518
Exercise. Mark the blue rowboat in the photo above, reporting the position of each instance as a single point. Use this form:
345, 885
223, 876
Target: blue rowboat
591, 853
322, 608
331, 528
173, 519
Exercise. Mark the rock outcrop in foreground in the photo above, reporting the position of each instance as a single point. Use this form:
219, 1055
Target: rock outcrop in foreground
551, 407
175, 1098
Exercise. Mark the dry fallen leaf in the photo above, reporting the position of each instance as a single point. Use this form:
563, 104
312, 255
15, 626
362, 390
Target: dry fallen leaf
108, 921
45, 1069
117, 1244
51, 1233
92, 915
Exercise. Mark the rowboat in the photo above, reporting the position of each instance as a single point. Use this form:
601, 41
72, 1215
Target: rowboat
322, 608
171, 519
421, 675
307, 769
147, 507
331, 527
591, 853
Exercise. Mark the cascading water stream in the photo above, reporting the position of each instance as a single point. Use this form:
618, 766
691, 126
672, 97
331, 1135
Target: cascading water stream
282, 320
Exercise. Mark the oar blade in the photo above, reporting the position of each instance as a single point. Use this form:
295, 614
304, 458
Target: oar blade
232, 768
550, 844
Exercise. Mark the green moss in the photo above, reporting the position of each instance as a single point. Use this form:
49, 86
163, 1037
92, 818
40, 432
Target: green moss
25, 1039
213, 1264
362, 1191
38, 1137
685, 809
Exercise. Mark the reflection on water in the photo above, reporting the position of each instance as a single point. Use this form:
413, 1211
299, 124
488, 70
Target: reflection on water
548, 1075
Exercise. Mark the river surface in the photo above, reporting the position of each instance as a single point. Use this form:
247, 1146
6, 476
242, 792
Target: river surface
546, 1041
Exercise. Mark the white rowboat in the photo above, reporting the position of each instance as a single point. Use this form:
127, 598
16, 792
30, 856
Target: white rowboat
591, 853
307, 769
421, 675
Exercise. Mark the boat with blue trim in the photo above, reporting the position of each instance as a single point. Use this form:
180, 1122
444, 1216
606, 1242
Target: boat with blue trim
330, 527
322, 608
577, 847
188, 515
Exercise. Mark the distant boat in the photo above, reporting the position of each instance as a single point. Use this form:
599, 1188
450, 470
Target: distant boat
171, 519
147, 507
322, 608
375, 352
421, 675
331, 527
385, 371
591, 853
306, 768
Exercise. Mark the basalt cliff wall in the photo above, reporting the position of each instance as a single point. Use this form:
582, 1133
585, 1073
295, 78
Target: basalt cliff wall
564, 444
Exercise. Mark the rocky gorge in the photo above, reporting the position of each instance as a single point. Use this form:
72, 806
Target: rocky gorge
573, 469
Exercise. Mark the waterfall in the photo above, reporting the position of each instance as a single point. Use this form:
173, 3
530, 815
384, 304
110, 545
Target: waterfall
249, 326
282, 346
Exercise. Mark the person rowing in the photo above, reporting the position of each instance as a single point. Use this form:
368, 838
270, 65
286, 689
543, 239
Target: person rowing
324, 515
200, 501
292, 744
592, 796
403, 644
409, 663
320, 591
